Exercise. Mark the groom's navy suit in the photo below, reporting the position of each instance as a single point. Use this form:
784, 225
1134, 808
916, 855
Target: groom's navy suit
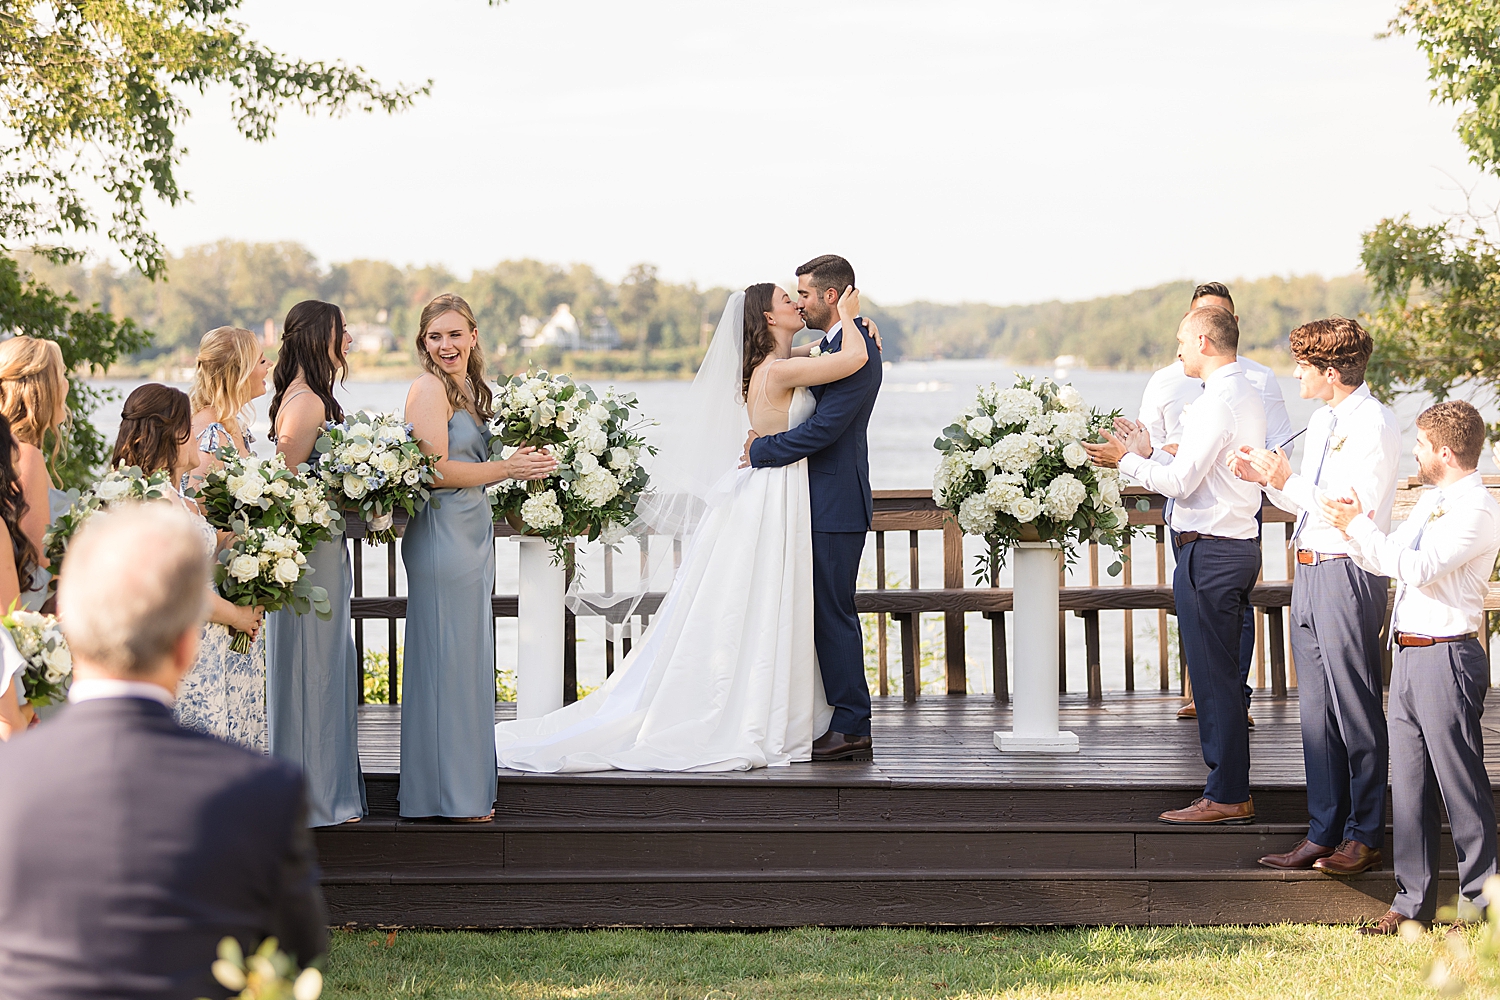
838, 466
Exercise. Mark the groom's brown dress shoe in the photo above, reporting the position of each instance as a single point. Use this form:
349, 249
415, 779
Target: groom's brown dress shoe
1351, 858
841, 746
1205, 812
1300, 857
1389, 924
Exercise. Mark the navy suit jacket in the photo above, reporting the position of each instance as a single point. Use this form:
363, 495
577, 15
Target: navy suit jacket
833, 440
130, 846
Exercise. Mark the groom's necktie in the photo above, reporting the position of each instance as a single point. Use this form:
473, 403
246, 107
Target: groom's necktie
1317, 476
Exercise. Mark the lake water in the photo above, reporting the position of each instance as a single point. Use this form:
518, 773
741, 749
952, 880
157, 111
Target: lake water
917, 401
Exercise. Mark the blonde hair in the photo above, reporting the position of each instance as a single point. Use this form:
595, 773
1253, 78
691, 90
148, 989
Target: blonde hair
484, 396
227, 357
33, 386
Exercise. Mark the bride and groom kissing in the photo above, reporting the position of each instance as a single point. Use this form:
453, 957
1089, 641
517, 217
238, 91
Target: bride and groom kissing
755, 656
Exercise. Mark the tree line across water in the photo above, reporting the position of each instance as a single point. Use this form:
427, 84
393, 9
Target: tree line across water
662, 326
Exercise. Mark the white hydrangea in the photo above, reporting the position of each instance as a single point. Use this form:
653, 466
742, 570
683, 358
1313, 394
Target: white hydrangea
1003, 491
1070, 426
975, 516
1074, 454
597, 488
952, 469
1016, 452
541, 511
1064, 494
1016, 406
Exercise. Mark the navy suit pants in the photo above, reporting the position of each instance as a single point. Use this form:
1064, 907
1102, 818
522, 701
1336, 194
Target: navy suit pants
836, 633
1211, 587
1336, 616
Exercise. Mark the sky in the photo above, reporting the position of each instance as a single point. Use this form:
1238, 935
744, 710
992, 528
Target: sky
953, 150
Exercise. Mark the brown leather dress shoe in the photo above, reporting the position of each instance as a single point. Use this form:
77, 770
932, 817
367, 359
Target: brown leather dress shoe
1388, 924
1300, 857
841, 746
1204, 812
1351, 858
1188, 711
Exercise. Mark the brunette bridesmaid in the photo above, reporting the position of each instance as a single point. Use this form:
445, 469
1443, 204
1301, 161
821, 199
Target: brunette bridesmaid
448, 682
34, 399
312, 673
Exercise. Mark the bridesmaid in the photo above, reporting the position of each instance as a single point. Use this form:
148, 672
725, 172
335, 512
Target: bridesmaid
34, 399
17, 563
225, 694
448, 684
312, 674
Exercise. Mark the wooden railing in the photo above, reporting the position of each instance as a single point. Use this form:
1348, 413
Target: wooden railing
912, 514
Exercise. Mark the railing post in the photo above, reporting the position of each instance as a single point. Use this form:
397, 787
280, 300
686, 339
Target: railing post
1129, 623
953, 621
1161, 615
880, 623
1091, 654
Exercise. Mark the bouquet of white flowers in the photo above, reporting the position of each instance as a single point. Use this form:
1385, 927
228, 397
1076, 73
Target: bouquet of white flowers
268, 567
250, 492
597, 443
49, 665
372, 464
1014, 469
115, 487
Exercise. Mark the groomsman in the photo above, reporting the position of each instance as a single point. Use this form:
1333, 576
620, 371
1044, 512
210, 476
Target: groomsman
1213, 523
1441, 558
1338, 608
1168, 392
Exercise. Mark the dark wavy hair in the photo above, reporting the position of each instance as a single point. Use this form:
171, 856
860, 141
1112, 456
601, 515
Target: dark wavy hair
13, 507
311, 328
758, 340
156, 421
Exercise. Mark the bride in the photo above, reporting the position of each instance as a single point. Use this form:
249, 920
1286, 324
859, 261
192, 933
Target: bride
725, 678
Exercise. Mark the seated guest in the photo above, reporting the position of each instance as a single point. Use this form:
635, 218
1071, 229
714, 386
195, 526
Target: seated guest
1440, 557
129, 846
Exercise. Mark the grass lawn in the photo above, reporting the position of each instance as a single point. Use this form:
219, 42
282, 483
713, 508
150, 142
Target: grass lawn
1180, 963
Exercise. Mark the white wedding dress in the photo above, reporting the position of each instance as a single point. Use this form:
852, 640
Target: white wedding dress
725, 677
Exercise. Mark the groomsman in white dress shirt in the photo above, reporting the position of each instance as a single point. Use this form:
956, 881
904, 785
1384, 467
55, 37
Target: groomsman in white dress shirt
1338, 607
1441, 558
1218, 539
1169, 391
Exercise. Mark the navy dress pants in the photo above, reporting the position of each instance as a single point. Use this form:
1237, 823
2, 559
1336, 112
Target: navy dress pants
1437, 696
1336, 616
1211, 587
836, 632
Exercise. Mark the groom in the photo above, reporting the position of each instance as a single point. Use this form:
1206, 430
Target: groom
838, 466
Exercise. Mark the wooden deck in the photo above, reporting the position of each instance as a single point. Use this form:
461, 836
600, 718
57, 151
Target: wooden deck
940, 829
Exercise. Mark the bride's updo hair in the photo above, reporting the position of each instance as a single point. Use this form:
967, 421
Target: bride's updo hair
758, 340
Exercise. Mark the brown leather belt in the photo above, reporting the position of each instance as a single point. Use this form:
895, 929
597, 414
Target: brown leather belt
1408, 639
1307, 557
1183, 537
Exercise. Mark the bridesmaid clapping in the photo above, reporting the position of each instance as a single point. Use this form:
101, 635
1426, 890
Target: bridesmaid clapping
312, 672
448, 685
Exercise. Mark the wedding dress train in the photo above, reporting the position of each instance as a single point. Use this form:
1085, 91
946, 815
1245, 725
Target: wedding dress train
725, 678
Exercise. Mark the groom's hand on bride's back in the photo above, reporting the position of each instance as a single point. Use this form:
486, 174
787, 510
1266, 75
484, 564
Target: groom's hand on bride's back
745, 458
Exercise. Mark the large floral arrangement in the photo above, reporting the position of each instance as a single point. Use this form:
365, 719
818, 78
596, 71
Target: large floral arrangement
49, 665
1014, 469
371, 463
268, 567
117, 486
246, 491
598, 445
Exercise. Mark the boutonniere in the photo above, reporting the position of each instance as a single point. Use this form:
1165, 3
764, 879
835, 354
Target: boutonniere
815, 351
1437, 512
1338, 443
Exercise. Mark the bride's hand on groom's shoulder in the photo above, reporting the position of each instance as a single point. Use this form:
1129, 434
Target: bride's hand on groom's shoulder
875, 334
849, 304
745, 458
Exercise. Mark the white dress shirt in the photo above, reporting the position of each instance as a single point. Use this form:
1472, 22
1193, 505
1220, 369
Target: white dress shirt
1440, 557
94, 688
1170, 390
1208, 498
1350, 447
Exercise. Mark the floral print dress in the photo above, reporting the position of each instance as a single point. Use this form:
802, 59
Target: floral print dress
225, 693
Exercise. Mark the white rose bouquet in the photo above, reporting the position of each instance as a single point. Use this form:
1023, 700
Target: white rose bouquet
267, 567
117, 486
1014, 469
49, 665
598, 445
371, 463
250, 492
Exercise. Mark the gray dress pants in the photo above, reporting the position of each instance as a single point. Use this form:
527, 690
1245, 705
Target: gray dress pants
1437, 696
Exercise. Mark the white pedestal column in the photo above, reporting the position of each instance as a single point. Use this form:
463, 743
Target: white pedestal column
539, 659
1034, 665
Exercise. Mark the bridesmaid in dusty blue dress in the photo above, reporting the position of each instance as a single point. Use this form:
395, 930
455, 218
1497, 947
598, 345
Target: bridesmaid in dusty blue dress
312, 672
448, 679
